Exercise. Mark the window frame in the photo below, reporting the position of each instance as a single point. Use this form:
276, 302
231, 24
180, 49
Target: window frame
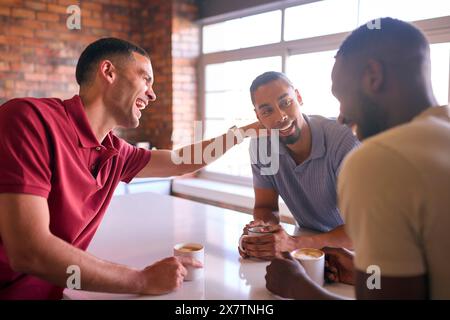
437, 30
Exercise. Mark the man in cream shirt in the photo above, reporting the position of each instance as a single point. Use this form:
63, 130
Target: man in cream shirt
400, 221
393, 191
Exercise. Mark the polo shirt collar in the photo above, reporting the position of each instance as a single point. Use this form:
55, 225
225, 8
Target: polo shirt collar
317, 137
86, 137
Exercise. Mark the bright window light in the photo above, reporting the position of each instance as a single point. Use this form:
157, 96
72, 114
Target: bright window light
408, 10
320, 18
440, 66
228, 103
311, 75
245, 32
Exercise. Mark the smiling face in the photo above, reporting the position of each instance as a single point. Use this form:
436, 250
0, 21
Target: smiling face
277, 106
131, 90
356, 108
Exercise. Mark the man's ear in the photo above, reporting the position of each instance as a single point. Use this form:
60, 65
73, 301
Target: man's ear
107, 71
299, 97
373, 77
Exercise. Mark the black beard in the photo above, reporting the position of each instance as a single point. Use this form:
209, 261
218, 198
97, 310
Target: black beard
293, 138
371, 120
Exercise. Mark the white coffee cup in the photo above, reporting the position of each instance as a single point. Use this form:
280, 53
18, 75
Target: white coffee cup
313, 260
193, 250
256, 231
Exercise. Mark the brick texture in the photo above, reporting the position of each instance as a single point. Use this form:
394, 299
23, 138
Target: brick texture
185, 50
38, 55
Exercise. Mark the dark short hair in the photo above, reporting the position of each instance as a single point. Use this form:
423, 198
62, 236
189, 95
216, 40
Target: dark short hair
265, 78
394, 34
105, 48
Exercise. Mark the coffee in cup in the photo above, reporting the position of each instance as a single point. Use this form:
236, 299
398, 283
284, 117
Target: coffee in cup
188, 248
193, 250
313, 260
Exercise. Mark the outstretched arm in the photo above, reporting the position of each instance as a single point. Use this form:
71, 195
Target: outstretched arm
167, 163
336, 238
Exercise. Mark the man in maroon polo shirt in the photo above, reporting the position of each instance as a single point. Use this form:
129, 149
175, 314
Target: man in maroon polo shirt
60, 163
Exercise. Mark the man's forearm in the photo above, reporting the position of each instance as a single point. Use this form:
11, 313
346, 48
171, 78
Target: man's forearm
195, 156
51, 259
335, 238
267, 215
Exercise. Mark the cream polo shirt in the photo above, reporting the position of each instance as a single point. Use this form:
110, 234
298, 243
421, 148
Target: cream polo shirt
394, 194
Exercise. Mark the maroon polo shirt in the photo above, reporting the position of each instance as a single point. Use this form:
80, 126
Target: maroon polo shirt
48, 149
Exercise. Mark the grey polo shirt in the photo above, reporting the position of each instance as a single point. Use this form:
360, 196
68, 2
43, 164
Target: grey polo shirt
308, 189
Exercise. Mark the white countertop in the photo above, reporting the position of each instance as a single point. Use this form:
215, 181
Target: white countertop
139, 229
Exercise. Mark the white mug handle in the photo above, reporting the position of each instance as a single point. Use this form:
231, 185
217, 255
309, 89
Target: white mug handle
240, 242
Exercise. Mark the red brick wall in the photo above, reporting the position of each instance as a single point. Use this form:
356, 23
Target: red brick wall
185, 50
38, 53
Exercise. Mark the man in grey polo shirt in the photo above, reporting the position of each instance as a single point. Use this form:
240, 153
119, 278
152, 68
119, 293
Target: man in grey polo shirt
311, 150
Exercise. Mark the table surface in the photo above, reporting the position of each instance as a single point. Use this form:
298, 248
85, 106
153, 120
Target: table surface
139, 229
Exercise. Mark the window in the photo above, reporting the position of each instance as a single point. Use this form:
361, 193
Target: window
300, 40
320, 18
408, 10
440, 65
241, 33
311, 74
228, 103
